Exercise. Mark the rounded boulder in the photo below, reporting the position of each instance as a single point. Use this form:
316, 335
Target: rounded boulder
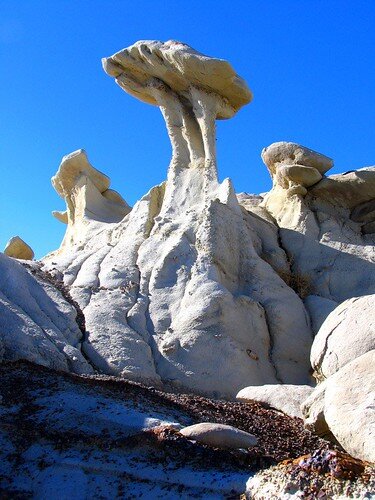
219, 435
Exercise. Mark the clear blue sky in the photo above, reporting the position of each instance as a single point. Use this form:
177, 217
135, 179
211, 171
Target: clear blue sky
310, 65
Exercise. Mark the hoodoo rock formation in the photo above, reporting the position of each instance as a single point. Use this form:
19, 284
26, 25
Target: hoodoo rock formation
198, 288
88, 198
180, 282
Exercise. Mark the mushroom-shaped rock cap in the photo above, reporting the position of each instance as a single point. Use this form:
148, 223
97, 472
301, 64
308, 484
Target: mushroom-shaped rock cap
18, 249
290, 153
180, 67
71, 168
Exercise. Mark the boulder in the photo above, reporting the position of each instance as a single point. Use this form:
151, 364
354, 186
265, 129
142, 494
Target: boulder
312, 409
219, 435
284, 397
18, 249
347, 333
290, 153
349, 406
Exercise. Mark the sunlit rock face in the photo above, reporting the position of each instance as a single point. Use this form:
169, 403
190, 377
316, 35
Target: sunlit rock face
192, 91
18, 249
178, 291
37, 323
195, 286
325, 225
89, 201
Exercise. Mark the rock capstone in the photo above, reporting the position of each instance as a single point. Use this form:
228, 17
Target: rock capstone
18, 249
89, 200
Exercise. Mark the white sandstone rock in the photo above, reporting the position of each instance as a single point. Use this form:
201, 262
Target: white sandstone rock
283, 397
191, 276
192, 91
325, 228
187, 277
89, 201
178, 66
318, 308
36, 322
349, 406
219, 435
312, 409
18, 249
290, 153
347, 333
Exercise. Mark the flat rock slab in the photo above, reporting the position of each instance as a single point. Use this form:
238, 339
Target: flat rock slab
219, 435
284, 397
